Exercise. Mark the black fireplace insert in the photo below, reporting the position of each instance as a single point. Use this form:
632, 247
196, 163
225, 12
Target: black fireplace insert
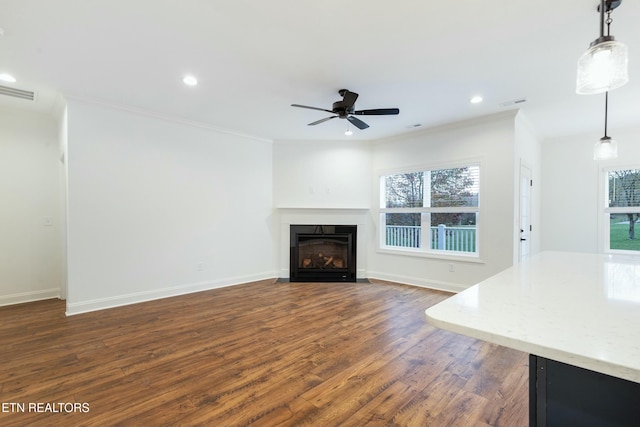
323, 253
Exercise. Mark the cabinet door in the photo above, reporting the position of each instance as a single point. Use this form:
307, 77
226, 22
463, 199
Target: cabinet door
564, 395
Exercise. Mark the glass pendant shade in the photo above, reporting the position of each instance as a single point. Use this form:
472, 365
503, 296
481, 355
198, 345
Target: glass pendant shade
603, 67
604, 149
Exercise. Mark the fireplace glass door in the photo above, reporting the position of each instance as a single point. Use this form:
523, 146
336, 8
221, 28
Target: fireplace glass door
322, 253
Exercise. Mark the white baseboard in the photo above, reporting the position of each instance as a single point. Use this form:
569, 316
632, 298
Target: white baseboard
23, 297
137, 297
415, 281
134, 298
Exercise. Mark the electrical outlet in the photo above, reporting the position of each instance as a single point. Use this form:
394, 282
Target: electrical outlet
452, 267
200, 266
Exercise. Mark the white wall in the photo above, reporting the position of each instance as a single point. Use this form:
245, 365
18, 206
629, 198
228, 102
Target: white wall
322, 174
571, 183
489, 139
158, 208
30, 242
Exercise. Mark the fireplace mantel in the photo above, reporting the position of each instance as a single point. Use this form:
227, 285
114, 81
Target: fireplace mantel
321, 209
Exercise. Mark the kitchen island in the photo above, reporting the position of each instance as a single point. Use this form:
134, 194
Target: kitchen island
578, 316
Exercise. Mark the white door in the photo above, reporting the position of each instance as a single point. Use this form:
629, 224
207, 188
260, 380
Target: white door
525, 212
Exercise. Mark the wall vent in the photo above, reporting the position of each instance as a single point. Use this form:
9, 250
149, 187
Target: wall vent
17, 93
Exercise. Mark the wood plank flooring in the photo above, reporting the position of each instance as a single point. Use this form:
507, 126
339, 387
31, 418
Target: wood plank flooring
257, 354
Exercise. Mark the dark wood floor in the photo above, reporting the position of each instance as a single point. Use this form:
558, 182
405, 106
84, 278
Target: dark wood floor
259, 354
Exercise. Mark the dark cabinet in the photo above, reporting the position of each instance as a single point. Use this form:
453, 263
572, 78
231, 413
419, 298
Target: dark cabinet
564, 395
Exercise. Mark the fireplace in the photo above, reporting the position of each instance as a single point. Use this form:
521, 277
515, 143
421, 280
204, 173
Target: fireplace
322, 253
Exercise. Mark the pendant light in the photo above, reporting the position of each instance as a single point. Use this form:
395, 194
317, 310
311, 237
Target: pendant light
606, 148
604, 66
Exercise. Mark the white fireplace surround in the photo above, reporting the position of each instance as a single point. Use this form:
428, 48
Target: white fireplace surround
325, 216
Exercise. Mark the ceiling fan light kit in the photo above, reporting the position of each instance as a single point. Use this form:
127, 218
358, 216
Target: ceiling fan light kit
605, 65
345, 109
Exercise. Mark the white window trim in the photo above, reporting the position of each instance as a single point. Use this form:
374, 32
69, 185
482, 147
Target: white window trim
604, 236
473, 257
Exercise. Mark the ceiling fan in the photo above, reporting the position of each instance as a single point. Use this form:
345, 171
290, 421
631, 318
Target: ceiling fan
345, 110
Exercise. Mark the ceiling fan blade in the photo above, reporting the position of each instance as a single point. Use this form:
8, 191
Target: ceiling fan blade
357, 122
322, 120
349, 99
311, 108
378, 112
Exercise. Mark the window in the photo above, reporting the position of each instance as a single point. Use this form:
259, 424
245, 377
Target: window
431, 211
622, 210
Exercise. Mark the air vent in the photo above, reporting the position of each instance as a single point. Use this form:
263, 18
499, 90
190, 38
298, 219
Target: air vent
513, 102
17, 93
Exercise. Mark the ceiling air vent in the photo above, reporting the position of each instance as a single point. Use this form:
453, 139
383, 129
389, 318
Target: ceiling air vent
17, 93
513, 102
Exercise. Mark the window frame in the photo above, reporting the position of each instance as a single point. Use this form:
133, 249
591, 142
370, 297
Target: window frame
426, 250
606, 210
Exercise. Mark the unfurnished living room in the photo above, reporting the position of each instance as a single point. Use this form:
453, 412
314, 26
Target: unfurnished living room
281, 213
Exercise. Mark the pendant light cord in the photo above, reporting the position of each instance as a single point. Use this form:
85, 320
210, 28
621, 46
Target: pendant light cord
601, 18
606, 108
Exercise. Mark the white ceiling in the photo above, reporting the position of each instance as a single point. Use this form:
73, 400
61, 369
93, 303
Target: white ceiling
254, 58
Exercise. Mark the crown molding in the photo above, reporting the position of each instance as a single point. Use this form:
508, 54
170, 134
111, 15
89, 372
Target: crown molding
157, 115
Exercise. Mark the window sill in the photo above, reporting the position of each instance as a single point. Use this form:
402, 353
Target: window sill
622, 252
448, 256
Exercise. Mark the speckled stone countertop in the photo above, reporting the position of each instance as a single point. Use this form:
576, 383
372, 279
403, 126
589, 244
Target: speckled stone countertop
577, 308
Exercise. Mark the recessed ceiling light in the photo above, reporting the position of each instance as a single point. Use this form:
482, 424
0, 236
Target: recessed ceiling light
477, 99
6, 77
190, 80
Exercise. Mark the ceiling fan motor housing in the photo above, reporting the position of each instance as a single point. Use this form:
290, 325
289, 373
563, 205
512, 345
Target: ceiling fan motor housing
339, 109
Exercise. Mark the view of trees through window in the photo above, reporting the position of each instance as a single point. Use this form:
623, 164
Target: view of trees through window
623, 209
443, 201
